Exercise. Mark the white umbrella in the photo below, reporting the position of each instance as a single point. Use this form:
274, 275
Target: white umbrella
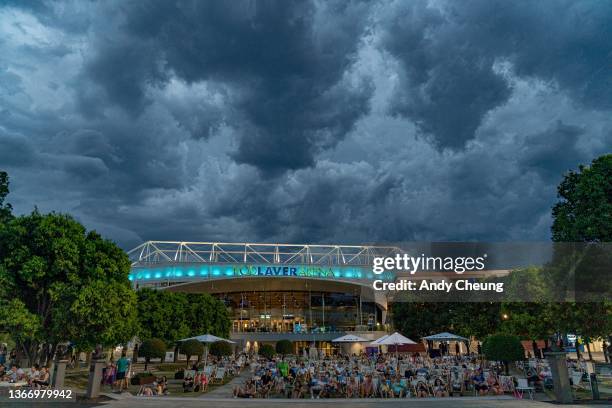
349, 338
207, 339
377, 341
394, 339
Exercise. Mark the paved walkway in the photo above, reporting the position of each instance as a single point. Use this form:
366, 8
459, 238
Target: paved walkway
462, 402
225, 391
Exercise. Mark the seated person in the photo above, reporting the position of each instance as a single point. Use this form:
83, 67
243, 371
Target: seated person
266, 383
422, 391
162, 385
439, 388
317, 387
480, 385
398, 388
188, 383
34, 373
300, 387
352, 387
385, 388
246, 391
367, 388
145, 391
43, 379
494, 385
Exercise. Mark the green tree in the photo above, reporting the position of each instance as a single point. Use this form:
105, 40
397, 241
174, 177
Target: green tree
16, 319
584, 212
284, 347
161, 314
54, 266
220, 349
504, 348
152, 348
5, 208
191, 348
267, 351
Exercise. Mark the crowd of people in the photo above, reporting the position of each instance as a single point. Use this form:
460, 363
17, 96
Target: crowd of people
378, 376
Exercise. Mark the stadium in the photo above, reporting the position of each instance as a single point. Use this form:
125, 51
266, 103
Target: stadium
305, 293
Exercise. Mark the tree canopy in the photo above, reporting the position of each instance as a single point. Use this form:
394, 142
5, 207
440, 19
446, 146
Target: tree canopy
191, 348
220, 349
584, 212
284, 347
152, 348
504, 348
73, 281
172, 316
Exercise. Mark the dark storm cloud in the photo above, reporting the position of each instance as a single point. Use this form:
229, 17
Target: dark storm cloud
448, 54
284, 61
309, 121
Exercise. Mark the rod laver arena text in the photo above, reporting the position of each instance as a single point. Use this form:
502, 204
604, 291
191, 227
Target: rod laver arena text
443, 285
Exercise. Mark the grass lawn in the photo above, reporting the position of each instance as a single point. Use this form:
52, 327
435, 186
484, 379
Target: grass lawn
77, 380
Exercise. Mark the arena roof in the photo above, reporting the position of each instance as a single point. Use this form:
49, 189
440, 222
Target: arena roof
175, 252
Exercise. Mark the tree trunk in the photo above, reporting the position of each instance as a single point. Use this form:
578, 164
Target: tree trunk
588, 347
146, 363
135, 354
176, 350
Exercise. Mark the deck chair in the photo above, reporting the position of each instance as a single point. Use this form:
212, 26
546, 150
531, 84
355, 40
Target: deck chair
219, 375
576, 377
522, 387
507, 383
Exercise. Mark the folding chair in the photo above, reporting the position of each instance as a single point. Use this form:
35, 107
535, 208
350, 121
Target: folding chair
219, 374
522, 387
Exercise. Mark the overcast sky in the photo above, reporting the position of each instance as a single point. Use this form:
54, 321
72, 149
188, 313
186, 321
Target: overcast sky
304, 122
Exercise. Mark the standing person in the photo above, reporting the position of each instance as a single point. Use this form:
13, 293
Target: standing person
3, 350
123, 365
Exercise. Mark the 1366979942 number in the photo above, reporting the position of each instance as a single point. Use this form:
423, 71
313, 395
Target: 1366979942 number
40, 394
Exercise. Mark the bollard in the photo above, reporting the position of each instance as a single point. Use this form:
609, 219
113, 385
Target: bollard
59, 373
558, 368
95, 378
594, 386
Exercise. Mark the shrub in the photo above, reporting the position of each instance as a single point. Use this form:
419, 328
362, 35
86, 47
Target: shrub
504, 348
267, 351
191, 348
152, 348
284, 347
220, 349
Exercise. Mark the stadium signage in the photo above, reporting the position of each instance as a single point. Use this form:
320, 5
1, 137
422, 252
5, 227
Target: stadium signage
304, 271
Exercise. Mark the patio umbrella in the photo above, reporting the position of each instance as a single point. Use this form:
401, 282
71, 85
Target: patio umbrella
349, 338
446, 336
394, 339
207, 339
